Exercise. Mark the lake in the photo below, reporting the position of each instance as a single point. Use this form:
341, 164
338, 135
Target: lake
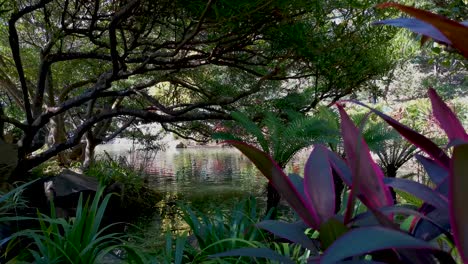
204, 177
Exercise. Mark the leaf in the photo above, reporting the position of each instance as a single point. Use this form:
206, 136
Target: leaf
251, 128
18, 189
255, 252
280, 181
414, 137
447, 119
424, 230
179, 249
428, 230
416, 26
435, 172
298, 183
369, 218
340, 167
458, 196
292, 232
331, 231
410, 199
367, 176
456, 32
361, 241
419, 190
319, 186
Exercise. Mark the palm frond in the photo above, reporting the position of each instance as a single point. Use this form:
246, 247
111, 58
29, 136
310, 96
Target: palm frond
252, 129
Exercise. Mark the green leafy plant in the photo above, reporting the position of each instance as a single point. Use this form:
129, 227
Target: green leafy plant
81, 239
136, 197
283, 137
221, 230
174, 250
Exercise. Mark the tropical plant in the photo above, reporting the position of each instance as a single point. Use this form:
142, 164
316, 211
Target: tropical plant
81, 239
174, 251
221, 230
353, 237
313, 199
282, 138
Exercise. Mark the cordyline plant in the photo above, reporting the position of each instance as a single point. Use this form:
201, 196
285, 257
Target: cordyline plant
374, 236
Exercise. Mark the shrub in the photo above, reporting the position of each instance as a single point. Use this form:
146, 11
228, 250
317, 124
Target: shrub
81, 239
354, 235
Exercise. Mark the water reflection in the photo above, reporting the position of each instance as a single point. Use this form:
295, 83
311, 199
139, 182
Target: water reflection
204, 177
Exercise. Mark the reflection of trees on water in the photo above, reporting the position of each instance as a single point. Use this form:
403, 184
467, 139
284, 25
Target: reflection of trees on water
185, 168
205, 178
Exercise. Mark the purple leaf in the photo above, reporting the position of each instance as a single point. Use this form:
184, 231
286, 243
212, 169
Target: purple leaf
340, 167
428, 230
419, 190
448, 121
425, 230
256, 253
416, 26
298, 183
292, 232
361, 241
280, 181
368, 183
369, 219
436, 172
414, 137
458, 195
319, 187
456, 32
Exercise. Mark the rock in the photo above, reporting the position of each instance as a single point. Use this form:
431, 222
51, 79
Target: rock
181, 145
69, 182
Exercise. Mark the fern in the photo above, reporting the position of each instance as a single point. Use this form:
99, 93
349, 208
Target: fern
282, 139
252, 129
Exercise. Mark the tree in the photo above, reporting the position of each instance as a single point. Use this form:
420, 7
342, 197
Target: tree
85, 70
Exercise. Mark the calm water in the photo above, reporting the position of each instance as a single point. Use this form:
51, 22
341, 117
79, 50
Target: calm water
199, 171
204, 177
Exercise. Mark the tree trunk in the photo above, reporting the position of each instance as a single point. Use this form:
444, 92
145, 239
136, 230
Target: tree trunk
2, 125
339, 187
89, 150
391, 172
273, 200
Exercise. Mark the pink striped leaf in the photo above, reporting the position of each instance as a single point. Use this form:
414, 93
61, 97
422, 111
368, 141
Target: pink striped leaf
447, 119
456, 32
422, 142
280, 181
458, 195
368, 183
436, 173
319, 187
361, 241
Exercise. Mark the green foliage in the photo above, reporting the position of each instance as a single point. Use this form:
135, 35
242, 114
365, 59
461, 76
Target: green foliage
109, 171
409, 199
174, 250
81, 239
222, 231
284, 137
48, 168
12, 200
136, 197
